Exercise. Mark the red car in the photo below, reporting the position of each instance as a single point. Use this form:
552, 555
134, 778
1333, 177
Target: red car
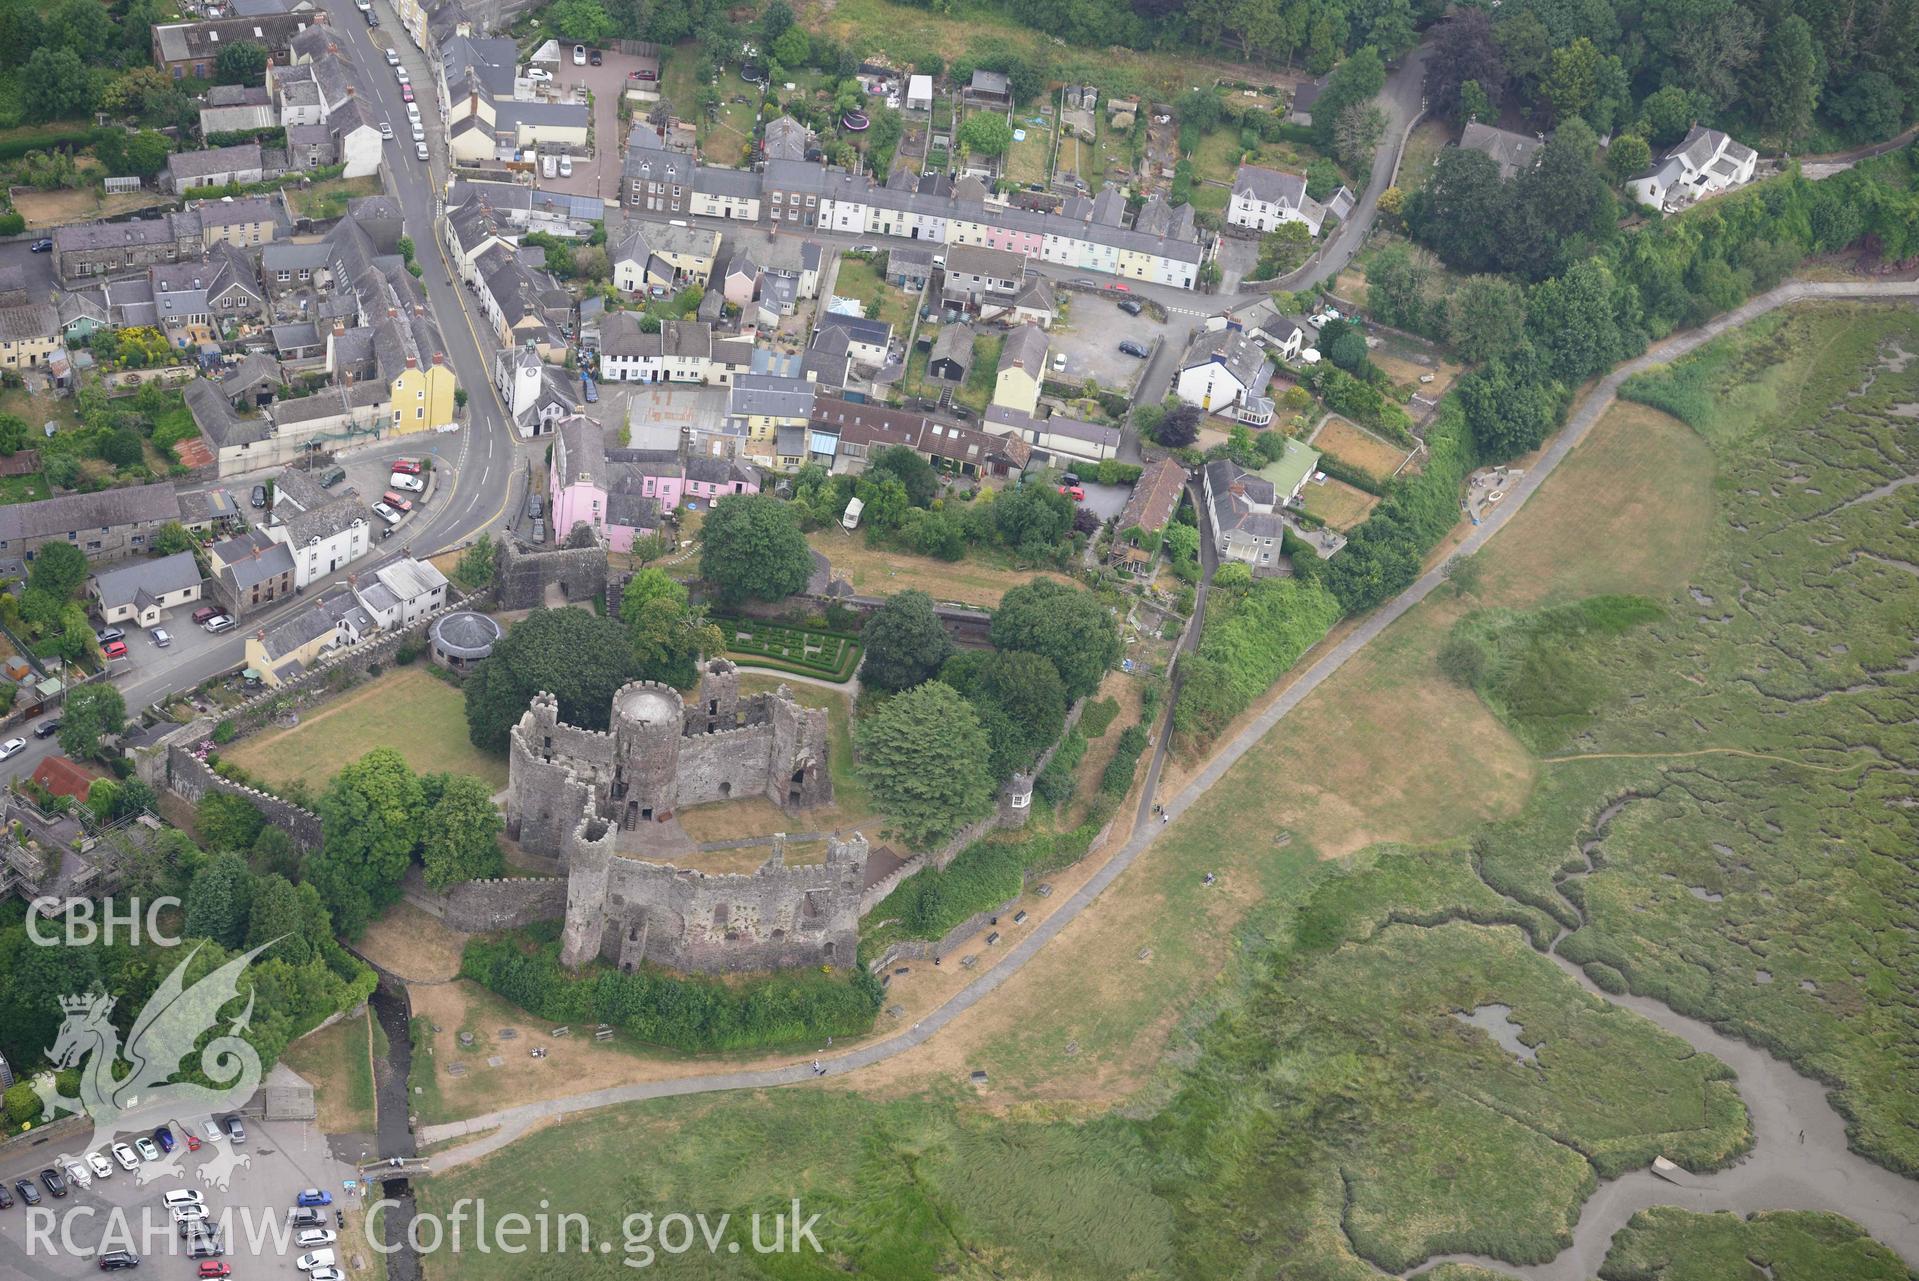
205, 612
193, 1144
1073, 492
1122, 286
114, 649
214, 1268
406, 93
411, 466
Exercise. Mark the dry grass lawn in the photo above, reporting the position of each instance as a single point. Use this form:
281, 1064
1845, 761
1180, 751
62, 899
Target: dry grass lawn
1401, 370
881, 572
56, 208
413, 945
1338, 504
1353, 444
408, 709
335, 1060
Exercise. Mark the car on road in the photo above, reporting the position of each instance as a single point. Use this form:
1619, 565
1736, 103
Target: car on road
118, 1260
102, 1167
54, 1181
306, 1218
594, 57
386, 131
114, 649
420, 151
315, 1237
12, 747
205, 613
124, 1155
317, 1259
43, 246
402, 481
392, 57
1131, 348
411, 466
47, 728
386, 513
29, 1194
579, 55
236, 1129
161, 637
146, 1149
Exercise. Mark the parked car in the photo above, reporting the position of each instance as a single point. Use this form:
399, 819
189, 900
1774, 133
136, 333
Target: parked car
1131, 306
419, 133
566, 165
1073, 492
579, 55
539, 75
258, 497
43, 246
406, 93
386, 131
193, 1140
219, 623
399, 73
1131, 348
12, 747
331, 477
409, 483
6, 1198
306, 1218
535, 506
411, 466
549, 166
145, 1148
187, 1215
594, 57
317, 1259
211, 1128
102, 1168
29, 1194
372, 18
114, 649
107, 635
397, 503
161, 637
386, 513
47, 728
236, 1130
326, 1274
204, 1245
55, 1182
183, 1196
315, 1237
420, 152
124, 1155
118, 1260
206, 613
213, 1268
76, 1173
313, 1196
392, 57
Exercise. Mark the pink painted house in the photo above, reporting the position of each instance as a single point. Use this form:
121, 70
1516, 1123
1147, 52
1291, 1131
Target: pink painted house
621, 493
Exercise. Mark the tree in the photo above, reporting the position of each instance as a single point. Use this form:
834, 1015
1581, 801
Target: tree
461, 841
245, 63
582, 21
904, 642
122, 448
1358, 79
1485, 317
1573, 324
282, 914
1666, 114
1458, 212
1628, 157
92, 712
775, 22
58, 570
1508, 408
372, 816
910, 469
227, 822
986, 134
792, 49
1787, 90
1868, 108
925, 759
1283, 249
13, 434
1180, 427
55, 85
1348, 351
474, 569
1067, 625
1396, 281
580, 658
1019, 699
1356, 134
1464, 52
172, 539
142, 153
668, 635
218, 899
274, 852
751, 547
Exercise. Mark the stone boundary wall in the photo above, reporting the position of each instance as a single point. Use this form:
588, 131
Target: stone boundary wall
503, 903
966, 624
192, 778
946, 944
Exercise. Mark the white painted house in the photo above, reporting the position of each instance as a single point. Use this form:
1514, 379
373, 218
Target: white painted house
1264, 198
1705, 163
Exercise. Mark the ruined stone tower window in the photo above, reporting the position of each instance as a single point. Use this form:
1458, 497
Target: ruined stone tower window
719, 916
726, 790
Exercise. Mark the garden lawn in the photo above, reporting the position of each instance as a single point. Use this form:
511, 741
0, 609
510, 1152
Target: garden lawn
1338, 504
858, 279
324, 200
335, 1059
1358, 447
881, 571
408, 709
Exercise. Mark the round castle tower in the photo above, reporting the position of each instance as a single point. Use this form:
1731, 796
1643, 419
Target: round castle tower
648, 720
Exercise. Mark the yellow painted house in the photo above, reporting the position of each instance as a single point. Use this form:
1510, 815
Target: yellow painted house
1022, 368
423, 396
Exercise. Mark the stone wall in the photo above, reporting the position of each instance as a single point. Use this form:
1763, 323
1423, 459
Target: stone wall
192, 779
477, 907
945, 945
522, 574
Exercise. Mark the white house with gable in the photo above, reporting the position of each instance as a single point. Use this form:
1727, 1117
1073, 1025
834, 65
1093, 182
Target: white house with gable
1705, 163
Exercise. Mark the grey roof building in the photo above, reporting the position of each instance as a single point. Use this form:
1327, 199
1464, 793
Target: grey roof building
1514, 153
145, 584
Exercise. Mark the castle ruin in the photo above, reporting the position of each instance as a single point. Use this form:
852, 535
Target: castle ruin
587, 799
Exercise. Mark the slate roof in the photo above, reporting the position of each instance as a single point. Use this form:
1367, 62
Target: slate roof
120, 585
955, 343
249, 559
129, 505
1025, 348
214, 160
978, 260
1272, 186
1239, 354
1513, 152
324, 522
756, 395
1155, 496
214, 415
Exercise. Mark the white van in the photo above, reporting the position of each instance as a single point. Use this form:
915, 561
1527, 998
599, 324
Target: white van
549, 167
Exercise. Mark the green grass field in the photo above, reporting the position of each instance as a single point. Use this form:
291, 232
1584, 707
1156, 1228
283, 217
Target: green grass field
408, 708
335, 1060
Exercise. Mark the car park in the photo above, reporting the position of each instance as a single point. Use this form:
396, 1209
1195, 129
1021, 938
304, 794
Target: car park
47, 728
12, 747
28, 1193
54, 1181
161, 637
219, 623
146, 1149
102, 1168
118, 1260
579, 55
236, 1129
124, 1155
313, 1196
